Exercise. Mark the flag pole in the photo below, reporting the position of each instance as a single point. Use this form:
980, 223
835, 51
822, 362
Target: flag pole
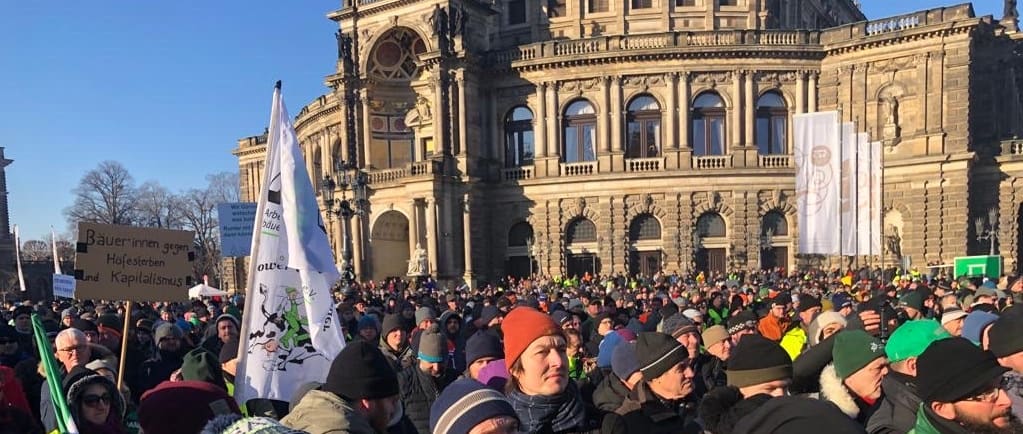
124, 346
271, 146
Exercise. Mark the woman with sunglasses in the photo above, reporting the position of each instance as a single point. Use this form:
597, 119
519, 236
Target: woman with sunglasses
95, 404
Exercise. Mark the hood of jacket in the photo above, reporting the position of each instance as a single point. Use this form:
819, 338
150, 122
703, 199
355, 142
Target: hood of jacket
325, 412
833, 390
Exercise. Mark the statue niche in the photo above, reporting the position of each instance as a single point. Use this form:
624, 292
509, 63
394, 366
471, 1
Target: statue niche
889, 102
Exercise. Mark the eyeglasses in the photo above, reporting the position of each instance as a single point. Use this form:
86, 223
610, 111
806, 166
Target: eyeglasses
74, 349
990, 395
92, 400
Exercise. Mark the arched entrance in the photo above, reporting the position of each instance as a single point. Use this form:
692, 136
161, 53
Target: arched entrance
390, 246
645, 245
582, 247
520, 258
711, 243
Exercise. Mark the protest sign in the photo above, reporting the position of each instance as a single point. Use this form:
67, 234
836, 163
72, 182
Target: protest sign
128, 263
63, 286
236, 221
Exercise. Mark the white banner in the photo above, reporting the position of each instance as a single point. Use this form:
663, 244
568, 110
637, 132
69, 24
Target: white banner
849, 191
863, 234
17, 258
56, 257
816, 151
290, 333
876, 191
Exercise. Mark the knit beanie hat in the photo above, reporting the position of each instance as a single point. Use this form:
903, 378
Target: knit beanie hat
175, 407
714, 335
823, 320
676, 325
854, 350
807, 302
955, 368
202, 365
976, 322
757, 360
657, 353
561, 317
424, 313
488, 313
84, 325
607, 348
912, 299
521, 327
745, 320
360, 371
368, 321
391, 322
627, 334
952, 314
235, 424
1005, 337
69, 312
464, 404
227, 317
433, 346
483, 344
623, 360
797, 415
912, 338
166, 330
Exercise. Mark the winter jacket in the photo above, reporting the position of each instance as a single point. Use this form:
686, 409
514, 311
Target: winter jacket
322, 412
418, 391
928, 423
643, 412
712, 373
897, 413
610, 393
398, 359
806, 369
772, 327
794, 341
1014, 387
833, 390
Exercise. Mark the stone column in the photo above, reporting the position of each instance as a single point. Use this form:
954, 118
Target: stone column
463, 116
616, 115
685, 154
413, 227
604, 113
540, 121
366, 134
672, 114
737, 117
441, 143
551, 99
749, 109
467, 238
357, 253
432, 236
800, 92
812, 92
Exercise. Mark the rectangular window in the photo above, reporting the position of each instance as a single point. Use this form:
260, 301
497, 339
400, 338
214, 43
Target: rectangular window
685, 3
596, 6
519, 148
516, 12
763, 136
778, 135
728, 2
556, 8
642, 4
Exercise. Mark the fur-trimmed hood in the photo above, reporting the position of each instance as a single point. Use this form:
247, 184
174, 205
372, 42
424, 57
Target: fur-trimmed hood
834, 391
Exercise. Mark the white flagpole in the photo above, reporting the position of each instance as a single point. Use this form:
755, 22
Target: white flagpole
56, 257
17, 256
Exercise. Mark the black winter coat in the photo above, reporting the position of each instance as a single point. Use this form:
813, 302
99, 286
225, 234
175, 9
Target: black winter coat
418, 390
897, 412
610, 393
644, 413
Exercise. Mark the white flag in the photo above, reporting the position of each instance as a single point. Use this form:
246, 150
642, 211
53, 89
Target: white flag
56, 257
849, 192
863, 234
290, 332
17, 258
816, 150
876, 191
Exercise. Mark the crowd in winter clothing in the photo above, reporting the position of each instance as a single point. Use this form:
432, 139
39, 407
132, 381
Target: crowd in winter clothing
751, 352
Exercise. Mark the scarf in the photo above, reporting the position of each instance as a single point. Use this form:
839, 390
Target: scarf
559, 413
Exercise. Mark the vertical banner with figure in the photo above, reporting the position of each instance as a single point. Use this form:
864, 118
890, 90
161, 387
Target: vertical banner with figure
817, 152
290, 332
849, 195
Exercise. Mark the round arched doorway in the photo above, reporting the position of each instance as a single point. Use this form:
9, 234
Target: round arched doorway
390, 246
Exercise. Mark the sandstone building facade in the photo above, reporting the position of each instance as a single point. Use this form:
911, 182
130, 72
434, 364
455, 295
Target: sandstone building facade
564, 137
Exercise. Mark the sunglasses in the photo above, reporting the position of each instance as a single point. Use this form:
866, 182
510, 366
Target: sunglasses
92, 400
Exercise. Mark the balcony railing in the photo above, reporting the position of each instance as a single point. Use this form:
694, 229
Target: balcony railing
644, 164
516, 173
712, 162
775, 161
579, 169
411, 170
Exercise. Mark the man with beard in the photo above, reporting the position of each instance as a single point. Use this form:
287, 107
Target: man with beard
224, 329
169, 357
1007, 345
421, 383
960, 387
393, 343
656, 405
359, 397
451, 328
897, 413
538, 385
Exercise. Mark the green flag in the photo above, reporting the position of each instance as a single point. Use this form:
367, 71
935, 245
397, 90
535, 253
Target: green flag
65, 424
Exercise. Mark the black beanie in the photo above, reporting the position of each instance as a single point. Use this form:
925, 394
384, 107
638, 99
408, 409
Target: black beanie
757, 360
952, 369
807, 302
84, 325
745, 320
483, 344
360, 371
1005, 337
657, 353
797, 415
391, 322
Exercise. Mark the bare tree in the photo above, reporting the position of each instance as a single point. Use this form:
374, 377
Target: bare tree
35, 250
199, 208
224, 187
105, 194
158, 207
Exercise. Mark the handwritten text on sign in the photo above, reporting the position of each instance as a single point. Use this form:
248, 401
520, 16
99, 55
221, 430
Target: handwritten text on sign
129, 263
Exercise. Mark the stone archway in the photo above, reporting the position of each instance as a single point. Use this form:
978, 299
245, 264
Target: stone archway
389, 243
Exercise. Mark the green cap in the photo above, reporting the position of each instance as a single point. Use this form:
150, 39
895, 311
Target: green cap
912, 338
854, 350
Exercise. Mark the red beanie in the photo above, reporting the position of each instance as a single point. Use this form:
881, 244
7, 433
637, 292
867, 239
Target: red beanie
521, 327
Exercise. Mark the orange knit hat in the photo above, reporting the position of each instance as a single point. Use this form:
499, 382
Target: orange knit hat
521, 327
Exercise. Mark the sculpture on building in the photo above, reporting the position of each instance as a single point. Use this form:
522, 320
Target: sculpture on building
891, 128
1010, 11
344, 50
418, 265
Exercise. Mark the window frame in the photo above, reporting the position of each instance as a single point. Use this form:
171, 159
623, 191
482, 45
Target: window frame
524, 12
643, 119
772, 116
704, 117
579, 123
517, 129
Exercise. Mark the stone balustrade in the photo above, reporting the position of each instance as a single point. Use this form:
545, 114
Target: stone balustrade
775, 161
517, 173
579, 169
712, 162
644, 164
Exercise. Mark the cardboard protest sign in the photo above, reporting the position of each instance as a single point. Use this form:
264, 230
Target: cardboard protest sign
129, 263
63, 286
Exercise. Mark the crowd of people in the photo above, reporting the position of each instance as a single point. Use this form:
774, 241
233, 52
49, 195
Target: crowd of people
748, 352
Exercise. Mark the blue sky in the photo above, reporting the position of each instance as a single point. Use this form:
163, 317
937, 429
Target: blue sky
166, 88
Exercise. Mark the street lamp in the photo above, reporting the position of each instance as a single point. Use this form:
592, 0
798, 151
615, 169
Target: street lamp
530, 252
988, 230
348, 177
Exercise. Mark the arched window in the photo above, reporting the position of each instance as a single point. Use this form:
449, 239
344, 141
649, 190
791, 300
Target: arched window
711, 225
580, 132
772, 124
644, 227
644, 128
518, 137
708, 125
581, 230
519, 234
775, 224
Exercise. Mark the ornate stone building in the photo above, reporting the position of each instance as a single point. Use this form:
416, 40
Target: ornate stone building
574, 136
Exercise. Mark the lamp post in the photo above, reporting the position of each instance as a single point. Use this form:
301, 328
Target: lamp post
348, 177
988, 230
530, 252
